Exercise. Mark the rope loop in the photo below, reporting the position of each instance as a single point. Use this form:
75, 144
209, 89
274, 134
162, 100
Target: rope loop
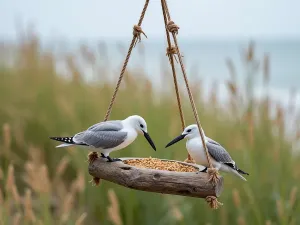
213, 202
172, 27
137, 31
213, 175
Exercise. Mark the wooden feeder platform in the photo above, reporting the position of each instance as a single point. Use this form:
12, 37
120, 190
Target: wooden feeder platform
192, 184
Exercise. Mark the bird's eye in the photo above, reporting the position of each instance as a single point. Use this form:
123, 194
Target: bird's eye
141, 125
189, 130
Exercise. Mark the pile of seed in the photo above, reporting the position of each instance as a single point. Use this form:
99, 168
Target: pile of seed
157, 164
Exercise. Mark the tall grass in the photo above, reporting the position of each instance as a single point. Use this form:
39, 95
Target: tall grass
40, 184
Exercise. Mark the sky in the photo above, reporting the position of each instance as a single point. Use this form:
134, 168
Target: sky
96, 19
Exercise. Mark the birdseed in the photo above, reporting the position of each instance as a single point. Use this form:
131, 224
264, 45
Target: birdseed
157, 164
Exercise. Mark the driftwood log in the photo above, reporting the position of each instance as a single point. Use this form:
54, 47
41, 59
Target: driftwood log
192, 184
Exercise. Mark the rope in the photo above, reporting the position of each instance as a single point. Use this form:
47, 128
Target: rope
137, 31
174, 28
213, 202
171, 50
213, 173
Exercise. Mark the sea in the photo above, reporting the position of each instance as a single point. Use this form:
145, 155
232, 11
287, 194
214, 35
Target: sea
208, 61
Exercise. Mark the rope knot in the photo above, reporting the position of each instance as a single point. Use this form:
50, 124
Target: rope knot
213, 175
137, 31
172, 51
172, 27
213, 202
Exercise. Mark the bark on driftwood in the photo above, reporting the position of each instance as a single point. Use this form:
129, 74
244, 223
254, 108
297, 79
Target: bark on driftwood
193, 184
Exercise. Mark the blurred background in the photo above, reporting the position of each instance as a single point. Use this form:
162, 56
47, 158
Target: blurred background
59, 63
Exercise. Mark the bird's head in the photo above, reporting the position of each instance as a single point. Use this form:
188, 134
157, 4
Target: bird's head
139, 124
189, 132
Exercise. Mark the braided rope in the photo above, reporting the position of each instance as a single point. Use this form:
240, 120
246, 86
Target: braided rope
137, 31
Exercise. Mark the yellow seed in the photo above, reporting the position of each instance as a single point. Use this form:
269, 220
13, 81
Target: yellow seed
153, 163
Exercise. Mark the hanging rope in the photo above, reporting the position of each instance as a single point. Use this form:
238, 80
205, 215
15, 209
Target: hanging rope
137, 31
213, 173
171, 51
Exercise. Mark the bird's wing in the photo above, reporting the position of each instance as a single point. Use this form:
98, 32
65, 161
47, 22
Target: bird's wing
101, 139
113, 125
218, 153
212, 141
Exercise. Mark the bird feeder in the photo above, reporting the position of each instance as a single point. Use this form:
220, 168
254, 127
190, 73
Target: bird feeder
207, 185
192, 184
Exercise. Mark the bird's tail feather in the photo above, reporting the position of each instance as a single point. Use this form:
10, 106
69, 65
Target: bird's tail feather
67, 140
238, 174
242, 172
63, 145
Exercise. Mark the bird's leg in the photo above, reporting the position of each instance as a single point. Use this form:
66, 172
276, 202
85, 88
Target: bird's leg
204, 170
112, 159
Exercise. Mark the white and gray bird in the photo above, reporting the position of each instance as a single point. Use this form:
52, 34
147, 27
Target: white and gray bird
220, 158
106, 137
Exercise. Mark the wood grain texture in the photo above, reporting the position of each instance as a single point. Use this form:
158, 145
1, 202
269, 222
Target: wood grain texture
193, 184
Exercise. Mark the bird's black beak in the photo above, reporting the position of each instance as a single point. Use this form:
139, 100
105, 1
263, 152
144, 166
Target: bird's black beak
179, 138
147, 136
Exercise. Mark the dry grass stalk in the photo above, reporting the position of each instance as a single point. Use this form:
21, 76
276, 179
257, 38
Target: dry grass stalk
175, 126
177, 213
224, 216
280, 209
87, 54
266, 68
16, 195
292, 100
1, 197
241, 220
6, 136
293, 196
62, 165
81, 219
113, 209
249, 53
232, 88
250, 121
1, 174
36, 156
268, 222
214, 95
17, 219
28, 211
236, 198
67, 207
10, 181
78, 185
231, 68
37, 177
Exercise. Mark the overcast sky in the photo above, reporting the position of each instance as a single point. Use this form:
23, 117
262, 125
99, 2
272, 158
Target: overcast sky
115, 18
